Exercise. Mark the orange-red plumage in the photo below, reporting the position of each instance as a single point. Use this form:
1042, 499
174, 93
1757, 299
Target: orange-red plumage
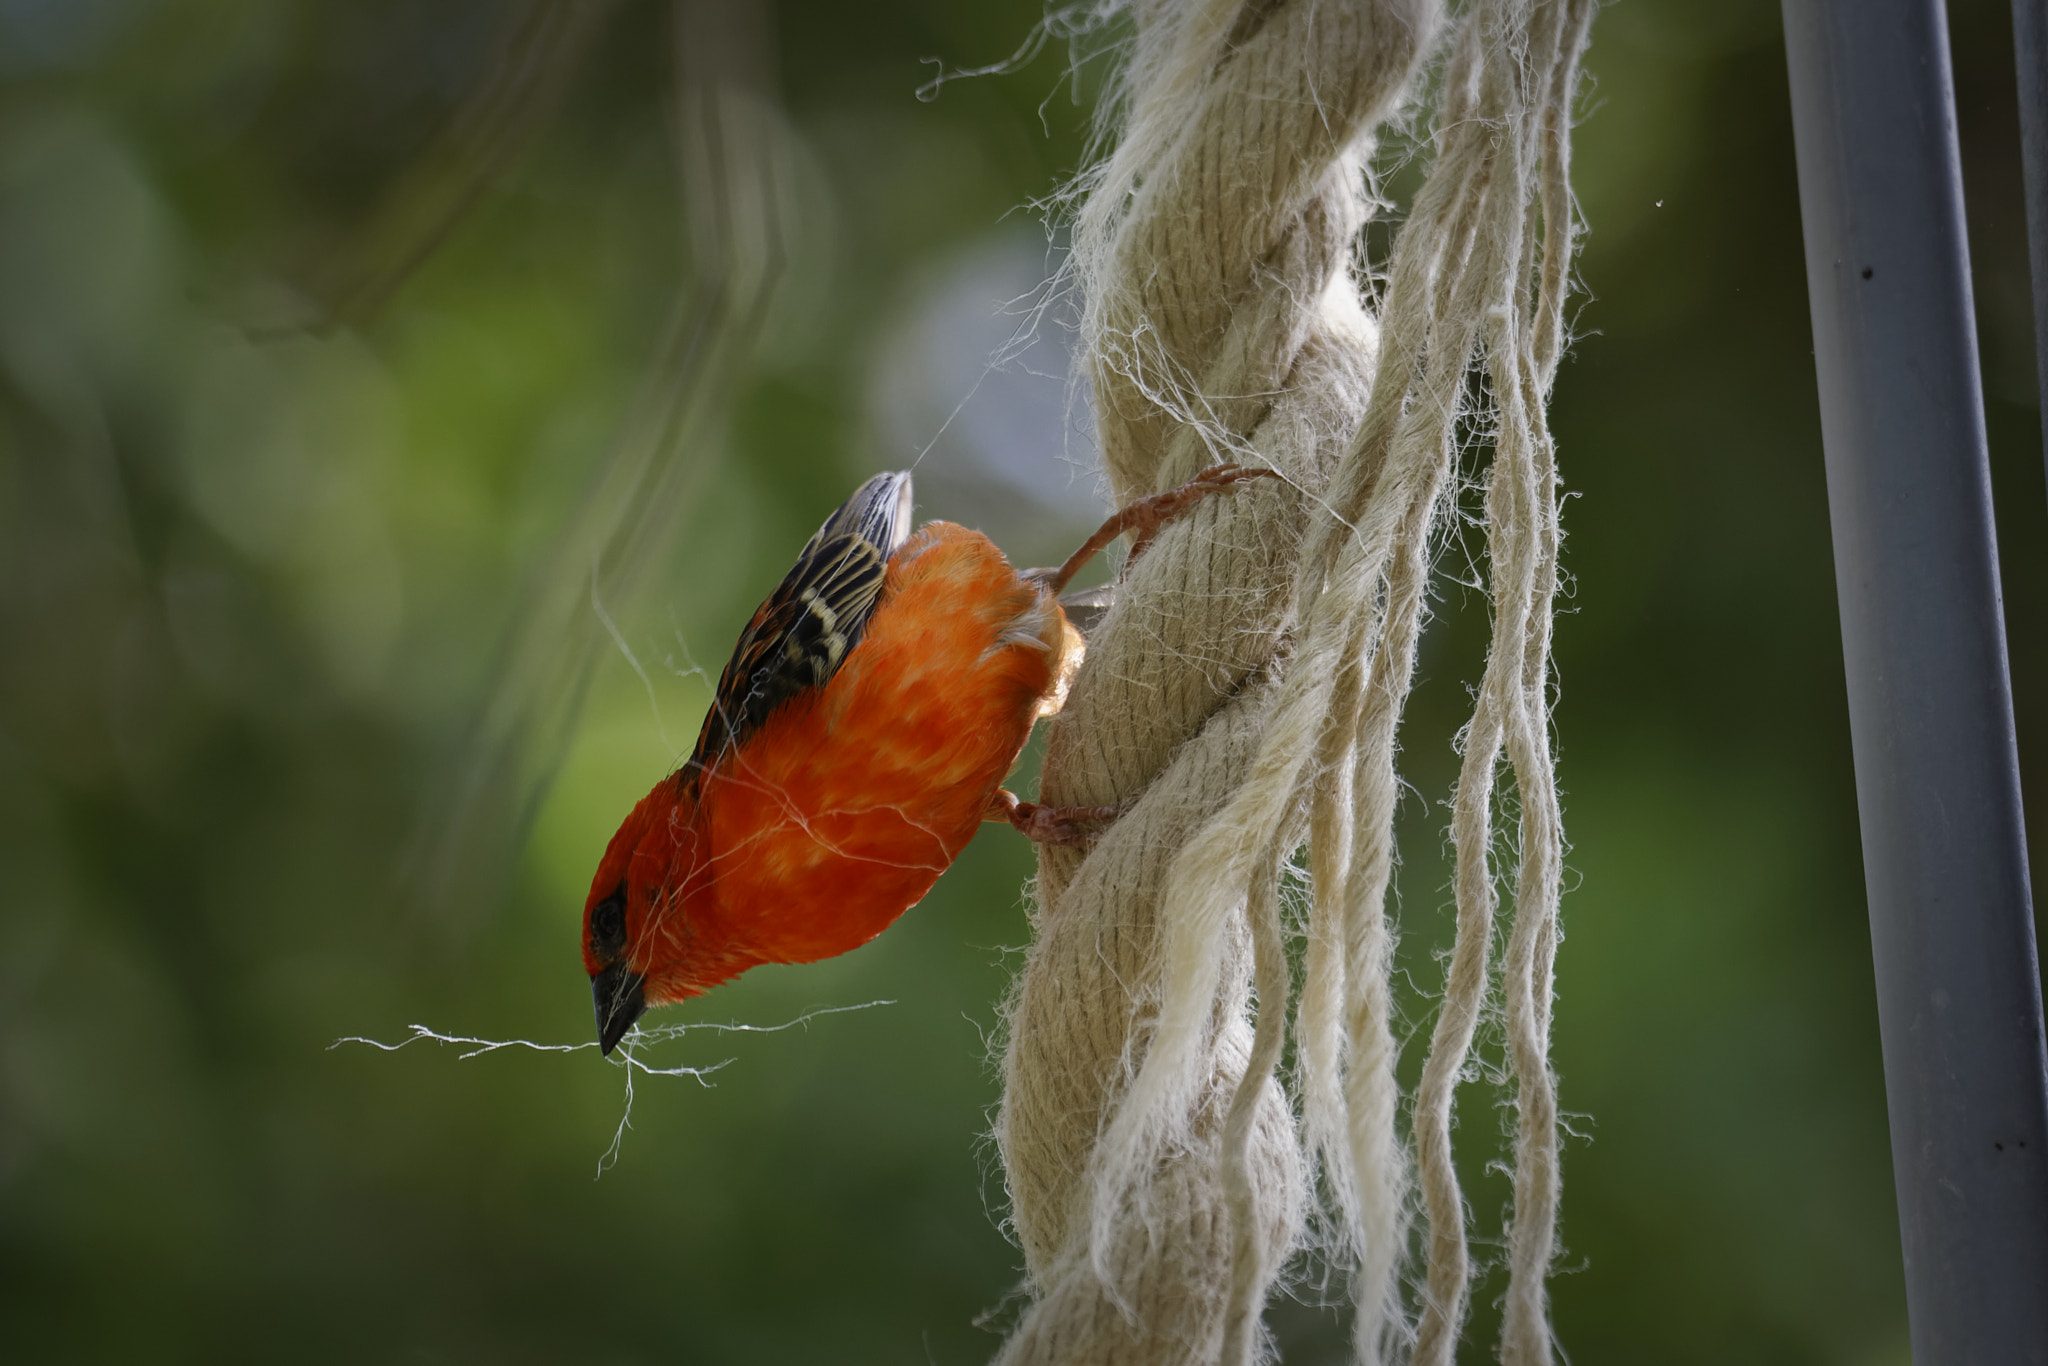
858, 740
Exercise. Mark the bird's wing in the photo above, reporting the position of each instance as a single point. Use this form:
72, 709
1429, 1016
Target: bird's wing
813, 619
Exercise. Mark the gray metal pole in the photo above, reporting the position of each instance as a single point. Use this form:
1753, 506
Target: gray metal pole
2030, 48
1930, 702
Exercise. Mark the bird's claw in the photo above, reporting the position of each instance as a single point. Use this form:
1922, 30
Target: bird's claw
1042, 824
1148, 515
1145, 517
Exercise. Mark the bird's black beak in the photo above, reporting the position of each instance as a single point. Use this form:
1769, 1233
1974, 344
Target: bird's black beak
620, 1001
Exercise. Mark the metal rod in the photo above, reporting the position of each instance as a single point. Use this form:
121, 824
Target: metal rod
2030, 47
1930, 701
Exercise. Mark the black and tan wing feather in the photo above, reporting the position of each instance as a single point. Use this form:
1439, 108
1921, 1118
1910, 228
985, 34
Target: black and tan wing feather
813, 619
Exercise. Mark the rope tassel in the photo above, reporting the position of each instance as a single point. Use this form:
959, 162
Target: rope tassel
1244, 695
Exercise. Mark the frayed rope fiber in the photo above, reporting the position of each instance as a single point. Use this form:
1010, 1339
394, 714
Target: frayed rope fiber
1244, 694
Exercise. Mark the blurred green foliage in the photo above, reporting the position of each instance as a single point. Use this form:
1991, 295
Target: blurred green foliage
254, 580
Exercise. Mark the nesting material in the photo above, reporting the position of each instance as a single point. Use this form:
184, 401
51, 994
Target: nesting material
1245, 693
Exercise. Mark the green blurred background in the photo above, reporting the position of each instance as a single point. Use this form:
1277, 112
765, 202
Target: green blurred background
267, 523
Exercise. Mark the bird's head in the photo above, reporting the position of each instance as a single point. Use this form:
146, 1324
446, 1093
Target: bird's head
638, 940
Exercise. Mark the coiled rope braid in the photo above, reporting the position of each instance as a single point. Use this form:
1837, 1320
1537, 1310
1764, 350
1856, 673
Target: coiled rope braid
1245, 692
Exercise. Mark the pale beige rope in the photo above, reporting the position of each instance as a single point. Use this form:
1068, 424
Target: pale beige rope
1214, 256
1155, 1177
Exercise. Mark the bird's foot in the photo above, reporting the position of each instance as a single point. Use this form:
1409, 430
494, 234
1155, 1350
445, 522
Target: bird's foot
1144, 518
1068, 825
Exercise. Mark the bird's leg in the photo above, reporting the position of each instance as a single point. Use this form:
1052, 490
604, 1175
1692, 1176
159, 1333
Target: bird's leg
1048, 824
1146, 516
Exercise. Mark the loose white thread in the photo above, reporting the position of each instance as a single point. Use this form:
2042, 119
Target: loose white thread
628, 1059
1247, 688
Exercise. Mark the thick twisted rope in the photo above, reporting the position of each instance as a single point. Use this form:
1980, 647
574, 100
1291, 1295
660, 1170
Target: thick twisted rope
1246, 690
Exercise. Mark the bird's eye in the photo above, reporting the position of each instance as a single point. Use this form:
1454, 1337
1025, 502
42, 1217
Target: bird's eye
608, 922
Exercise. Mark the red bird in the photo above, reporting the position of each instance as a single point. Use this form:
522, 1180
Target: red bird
858, 738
